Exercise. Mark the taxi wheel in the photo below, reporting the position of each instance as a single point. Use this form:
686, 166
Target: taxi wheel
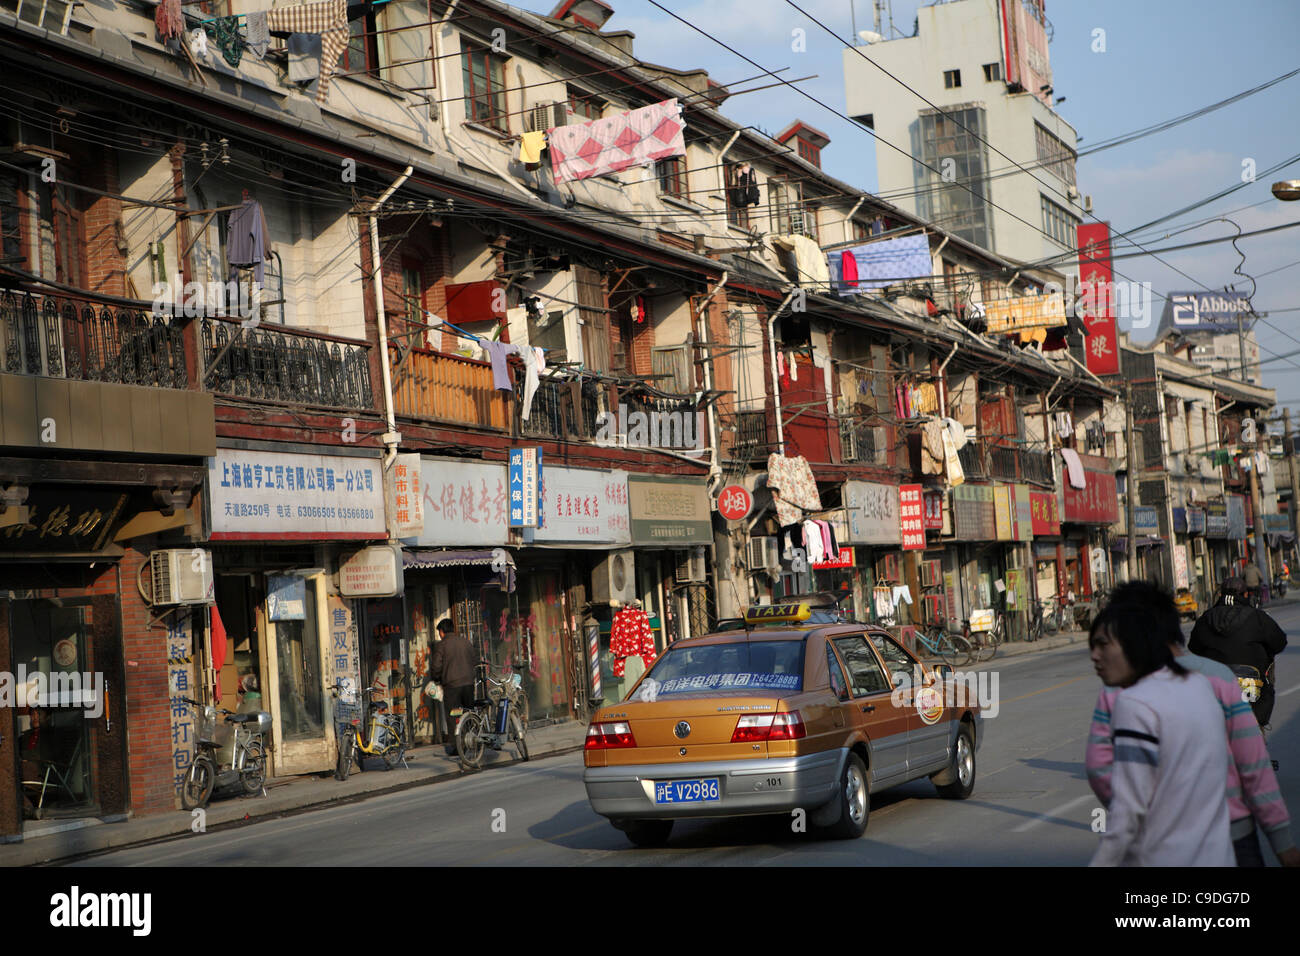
963, 768
855, 801
647, 833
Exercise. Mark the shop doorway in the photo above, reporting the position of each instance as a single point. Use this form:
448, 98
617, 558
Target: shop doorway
296, 664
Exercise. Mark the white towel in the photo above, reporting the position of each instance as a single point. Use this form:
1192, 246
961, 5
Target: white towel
1075, 468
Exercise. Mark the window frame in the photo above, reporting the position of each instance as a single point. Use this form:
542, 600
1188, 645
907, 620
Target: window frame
369, 37
872, 657
809, 152
493, 63
952, 79
737, 216
993, 72
583, 104
673, 172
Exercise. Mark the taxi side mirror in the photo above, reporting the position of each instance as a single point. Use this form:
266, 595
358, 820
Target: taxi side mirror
942, 671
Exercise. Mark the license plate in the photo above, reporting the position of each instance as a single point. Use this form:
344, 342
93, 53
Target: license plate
687, 791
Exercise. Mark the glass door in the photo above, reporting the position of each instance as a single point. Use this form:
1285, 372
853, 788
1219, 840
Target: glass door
304, 738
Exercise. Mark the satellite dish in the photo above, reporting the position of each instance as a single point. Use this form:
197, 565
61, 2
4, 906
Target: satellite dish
869, 36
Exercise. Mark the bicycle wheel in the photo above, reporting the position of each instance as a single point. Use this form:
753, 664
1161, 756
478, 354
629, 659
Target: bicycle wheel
254, 772
344, 765
197, 789
470, 742
396, 749
517, 736
956, 650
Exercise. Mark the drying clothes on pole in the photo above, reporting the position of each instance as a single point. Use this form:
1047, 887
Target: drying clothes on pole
630, 636
225, 35
304, 57
169, 20
258, 37
640, 309
531, 146
813, 543
809, 260
902, 593
1064, 426
199, 43
876, 265
248, 241
329, 19
533, 371
745, 191
1075, 468
932, 448
952, 463
614, 143
793, 487
497, 353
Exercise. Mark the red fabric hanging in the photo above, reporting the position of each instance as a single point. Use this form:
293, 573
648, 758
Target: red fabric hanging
630, 636
849, 270
218, 650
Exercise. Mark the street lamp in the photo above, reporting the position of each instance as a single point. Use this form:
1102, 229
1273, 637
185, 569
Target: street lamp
1288, 190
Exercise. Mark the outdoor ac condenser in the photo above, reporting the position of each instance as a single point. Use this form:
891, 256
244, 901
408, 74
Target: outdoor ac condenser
691, 568
181, 576
763, 554
614, 579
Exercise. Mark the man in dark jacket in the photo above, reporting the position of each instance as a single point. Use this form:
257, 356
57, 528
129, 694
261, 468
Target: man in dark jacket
452, 667
1234, 633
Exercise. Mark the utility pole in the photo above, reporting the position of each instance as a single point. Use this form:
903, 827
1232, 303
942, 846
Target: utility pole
1131, 518
1261, 543
1289, 454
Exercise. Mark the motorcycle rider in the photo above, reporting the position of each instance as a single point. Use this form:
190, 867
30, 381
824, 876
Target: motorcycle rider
1253, 579
1234, 633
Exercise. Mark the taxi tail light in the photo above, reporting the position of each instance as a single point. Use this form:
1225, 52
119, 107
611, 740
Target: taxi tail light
609, 736
752, 728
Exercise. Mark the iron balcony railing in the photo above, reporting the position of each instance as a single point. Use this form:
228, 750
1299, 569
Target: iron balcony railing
89, 338
971, 456
286, 365
1002, 462
1036, 467
555, 413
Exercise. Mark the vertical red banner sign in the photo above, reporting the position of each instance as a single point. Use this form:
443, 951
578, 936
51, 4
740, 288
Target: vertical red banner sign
1096, 300
911, 513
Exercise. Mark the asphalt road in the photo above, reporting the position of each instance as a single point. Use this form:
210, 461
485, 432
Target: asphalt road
1031, 806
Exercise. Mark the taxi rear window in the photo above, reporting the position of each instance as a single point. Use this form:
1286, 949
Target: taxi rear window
760, 665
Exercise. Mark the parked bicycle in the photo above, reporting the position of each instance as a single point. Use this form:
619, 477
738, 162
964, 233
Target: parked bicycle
242, 762
494, 720
382, 734
939, 642
985, 644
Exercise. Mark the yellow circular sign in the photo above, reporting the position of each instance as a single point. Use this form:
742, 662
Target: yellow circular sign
929, 704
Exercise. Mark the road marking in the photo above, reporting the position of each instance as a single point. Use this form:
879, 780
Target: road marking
1051, 813
1035, 693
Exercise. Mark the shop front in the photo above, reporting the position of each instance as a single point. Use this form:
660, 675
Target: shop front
1190, 558
873, 532
979, 556
281, 633
1086, 514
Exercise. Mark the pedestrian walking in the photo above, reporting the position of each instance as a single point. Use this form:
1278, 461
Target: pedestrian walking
1254, 797
1168, 802
1241, 637
452, 667
1253, 579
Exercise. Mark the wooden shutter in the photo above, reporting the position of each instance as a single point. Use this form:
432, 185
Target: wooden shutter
595, 318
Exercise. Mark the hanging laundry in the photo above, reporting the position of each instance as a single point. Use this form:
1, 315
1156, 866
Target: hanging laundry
218, 641
630, 636
883, 263
248, 241
745, 191
534, 366
932, 448
304, 57
813, 544
328, 19
848, 273
1064, 427
225, 35
531, 146
169, 20
793, 487
828, 540
614, 143
791, 537
811, 270
640, 309
958, 432
882, 599
497, 353
952, 463
928, 404
257, 37
1075, 468
792, 364
199, 43
902, 593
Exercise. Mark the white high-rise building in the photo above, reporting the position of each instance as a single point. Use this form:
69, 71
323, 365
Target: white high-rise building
985, 64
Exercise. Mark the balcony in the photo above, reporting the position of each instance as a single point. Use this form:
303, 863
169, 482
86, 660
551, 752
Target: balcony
971, 456
1002, 461
88, 339
560, 414
1036, 468
286, 365
449, 388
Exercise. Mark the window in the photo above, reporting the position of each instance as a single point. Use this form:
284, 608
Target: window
584, 106
362, 52
413, 296
672, 176
809, 152
838, 687
685, 669
951, 79
897, 660
49, 15
956, 142
485, 87
1053, 154
864, 669
13, 251
594, 317
810, 222
860, 230
783, 201
1058, 223
992, 72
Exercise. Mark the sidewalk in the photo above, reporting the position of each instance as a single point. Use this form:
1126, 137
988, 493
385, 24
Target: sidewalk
49, 840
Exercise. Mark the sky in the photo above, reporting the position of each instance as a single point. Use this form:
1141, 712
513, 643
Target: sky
1162, 58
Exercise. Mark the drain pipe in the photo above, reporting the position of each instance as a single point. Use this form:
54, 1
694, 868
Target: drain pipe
771, 350
390, 438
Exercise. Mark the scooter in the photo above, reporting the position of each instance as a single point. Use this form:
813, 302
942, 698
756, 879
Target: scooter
1279, 586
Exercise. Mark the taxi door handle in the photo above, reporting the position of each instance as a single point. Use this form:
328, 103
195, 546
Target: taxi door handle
868, 708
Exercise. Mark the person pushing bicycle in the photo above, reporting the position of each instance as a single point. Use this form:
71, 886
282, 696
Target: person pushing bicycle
452, 667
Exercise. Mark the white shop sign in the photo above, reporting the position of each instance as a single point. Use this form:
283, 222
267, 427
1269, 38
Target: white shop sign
464, 503
258, 495
872, 513
584, 507
372, 572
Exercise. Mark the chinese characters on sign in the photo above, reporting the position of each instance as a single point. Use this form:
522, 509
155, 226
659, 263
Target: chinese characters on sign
586, 506
180, 683
842, 560
1098, 502
734, 503
405, 497
464, 504
58, 520
1096, 304
933, 511
911, 517
1045, 515
525, 488
1026, 312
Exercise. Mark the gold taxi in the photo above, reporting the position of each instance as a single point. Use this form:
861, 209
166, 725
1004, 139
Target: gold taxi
794, 710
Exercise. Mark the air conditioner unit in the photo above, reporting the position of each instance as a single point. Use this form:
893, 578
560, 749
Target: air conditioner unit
1072, 192
543, 116
691, 568
181, 576
763, 553
614, 579
1087, 204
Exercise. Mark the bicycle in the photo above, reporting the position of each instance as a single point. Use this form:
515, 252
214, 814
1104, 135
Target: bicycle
985, 646
385, 736
493, 720
939, 642
247, 757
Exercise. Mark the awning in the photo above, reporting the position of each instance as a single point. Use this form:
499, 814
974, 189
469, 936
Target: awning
499, 559
1277, 539
1144, 541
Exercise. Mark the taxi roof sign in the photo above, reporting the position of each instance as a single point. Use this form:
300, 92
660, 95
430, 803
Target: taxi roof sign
777, 613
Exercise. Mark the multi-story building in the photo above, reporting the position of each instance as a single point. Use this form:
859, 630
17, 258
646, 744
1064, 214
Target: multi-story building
249, 324
976, 107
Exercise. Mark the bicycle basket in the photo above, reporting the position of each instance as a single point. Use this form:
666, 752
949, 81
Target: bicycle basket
205, 723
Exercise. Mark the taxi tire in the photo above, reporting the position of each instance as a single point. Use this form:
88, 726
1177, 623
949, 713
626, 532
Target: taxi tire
647, 833
846, 828
958, 790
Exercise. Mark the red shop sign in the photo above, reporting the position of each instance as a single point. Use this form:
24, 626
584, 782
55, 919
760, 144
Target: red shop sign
734, 502
1096, 305
1046, 515
1098, 503
843, 560
934, 511
911, 514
